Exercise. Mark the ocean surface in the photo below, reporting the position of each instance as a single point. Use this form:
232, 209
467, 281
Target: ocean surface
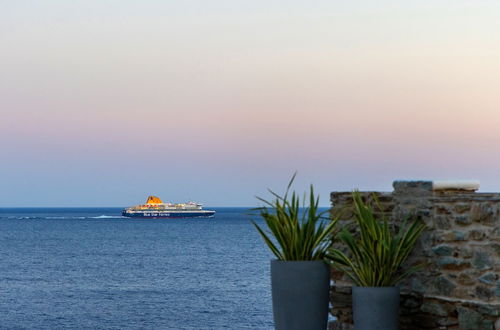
90, 268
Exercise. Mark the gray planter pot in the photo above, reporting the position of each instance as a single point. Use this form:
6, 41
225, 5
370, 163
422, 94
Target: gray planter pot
375, 308
300, 291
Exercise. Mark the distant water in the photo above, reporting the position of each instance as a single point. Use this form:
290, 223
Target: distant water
91, 268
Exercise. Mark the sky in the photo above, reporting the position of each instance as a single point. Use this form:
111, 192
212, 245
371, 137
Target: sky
103, 103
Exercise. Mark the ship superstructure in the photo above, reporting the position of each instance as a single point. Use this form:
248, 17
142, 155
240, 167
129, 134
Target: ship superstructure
155, 208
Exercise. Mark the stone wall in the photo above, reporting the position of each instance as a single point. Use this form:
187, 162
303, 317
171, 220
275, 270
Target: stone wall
459, 288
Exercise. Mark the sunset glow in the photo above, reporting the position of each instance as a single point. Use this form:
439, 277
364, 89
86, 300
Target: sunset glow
103, 103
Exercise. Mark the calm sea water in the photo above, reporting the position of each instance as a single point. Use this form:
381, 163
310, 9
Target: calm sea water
90, 268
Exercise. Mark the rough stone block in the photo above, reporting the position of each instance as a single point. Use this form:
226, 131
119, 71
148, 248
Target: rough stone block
452, 263
446, 322
489, 310
463, 220
340, 300
455, 235
483, 292
482, 261
340, 326
484, 213
425, 320
443, 250
343, 289
417, 285
442, 222
495, 234
434, 308
462, 207
478, 234
336, 274
443, 209
496, 248
488, 278
343, 315
443, 286
465, 252
429, 238
410, 302
412, 186
466, 278
469, 319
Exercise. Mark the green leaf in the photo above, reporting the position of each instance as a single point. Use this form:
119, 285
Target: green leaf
296, 232
376, 254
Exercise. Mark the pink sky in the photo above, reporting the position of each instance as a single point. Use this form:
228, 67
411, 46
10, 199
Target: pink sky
217, 102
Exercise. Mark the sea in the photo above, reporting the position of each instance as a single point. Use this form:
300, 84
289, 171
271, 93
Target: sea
91, 268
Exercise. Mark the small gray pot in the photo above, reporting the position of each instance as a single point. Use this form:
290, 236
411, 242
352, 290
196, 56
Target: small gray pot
300, 291
375, 308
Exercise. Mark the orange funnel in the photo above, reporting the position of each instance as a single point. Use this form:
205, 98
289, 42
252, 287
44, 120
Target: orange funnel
154, 200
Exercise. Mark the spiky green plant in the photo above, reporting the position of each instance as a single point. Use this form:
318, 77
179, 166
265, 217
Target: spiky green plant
377, 255
295, 233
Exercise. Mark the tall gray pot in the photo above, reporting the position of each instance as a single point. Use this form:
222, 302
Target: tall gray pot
375, 308
300, 291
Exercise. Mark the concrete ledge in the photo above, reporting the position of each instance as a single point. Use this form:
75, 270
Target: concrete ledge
470, 185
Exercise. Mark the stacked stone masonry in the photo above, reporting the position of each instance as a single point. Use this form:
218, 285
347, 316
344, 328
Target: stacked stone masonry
459, 288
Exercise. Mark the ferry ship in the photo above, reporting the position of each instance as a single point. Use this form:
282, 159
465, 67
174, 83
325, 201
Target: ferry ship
155, 208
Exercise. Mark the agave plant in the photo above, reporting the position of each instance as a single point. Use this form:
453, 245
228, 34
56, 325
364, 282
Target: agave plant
377, 255
299, 233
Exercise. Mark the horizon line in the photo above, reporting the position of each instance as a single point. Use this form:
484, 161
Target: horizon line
82, 207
